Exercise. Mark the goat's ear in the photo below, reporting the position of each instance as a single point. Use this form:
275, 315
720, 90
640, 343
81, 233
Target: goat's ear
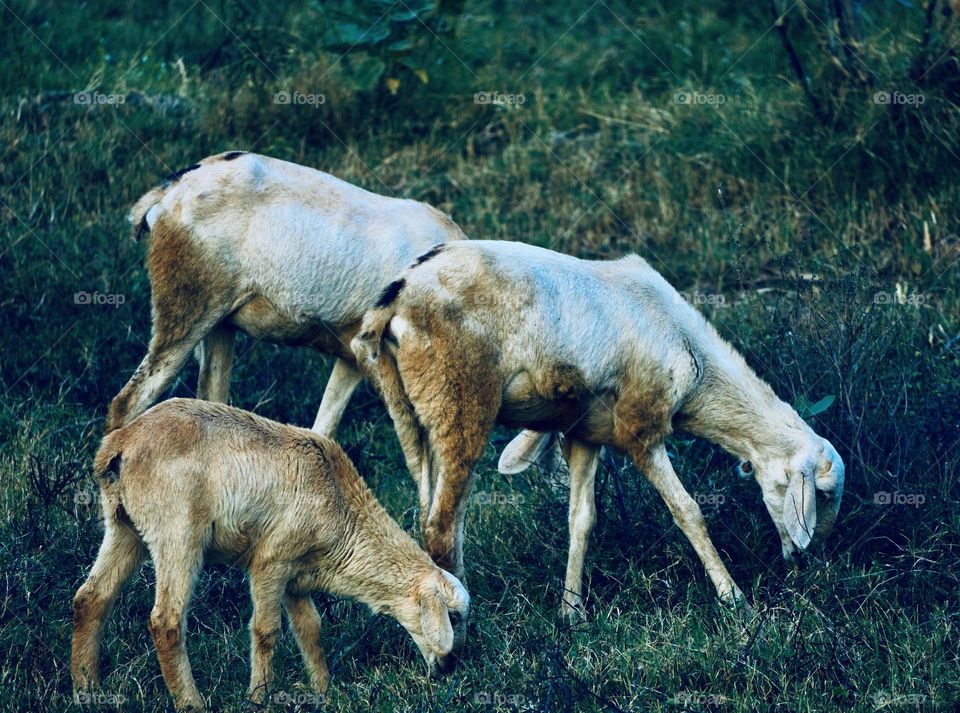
800, 507
435, 622
523, 451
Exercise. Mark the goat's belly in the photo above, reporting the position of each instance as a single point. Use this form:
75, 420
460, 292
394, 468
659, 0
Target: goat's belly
558, 400
591, 421
230, 547
262, 320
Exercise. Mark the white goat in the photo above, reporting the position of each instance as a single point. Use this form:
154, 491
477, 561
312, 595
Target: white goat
191, 481
282, 252
606, 352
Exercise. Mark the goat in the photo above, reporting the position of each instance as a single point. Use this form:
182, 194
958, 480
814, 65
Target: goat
282, 252
191, 480
605, 352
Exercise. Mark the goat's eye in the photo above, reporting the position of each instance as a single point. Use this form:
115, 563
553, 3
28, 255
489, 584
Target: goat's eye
455, 617
744, 469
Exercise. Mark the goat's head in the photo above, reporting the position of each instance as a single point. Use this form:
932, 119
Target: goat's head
802, 492
433, 615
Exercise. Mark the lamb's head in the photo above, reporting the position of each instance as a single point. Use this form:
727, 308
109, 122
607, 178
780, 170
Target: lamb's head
802, 491
432, 614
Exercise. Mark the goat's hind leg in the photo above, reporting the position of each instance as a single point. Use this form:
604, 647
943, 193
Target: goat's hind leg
215, 353
189, 297
121, 552
340, 387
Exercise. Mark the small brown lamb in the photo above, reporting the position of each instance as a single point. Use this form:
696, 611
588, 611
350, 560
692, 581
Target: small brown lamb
191, 480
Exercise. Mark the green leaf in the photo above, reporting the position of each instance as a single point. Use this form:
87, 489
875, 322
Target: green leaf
351, 34
404, 45
807, 409
367, 72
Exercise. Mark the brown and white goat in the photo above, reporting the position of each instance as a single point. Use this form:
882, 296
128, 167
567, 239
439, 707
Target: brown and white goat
606, 352
282, 252
192, 481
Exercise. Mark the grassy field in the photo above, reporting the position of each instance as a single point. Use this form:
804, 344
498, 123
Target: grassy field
821, 235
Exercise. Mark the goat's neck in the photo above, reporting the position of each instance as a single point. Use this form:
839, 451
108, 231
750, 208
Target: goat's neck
380, 565
738, 411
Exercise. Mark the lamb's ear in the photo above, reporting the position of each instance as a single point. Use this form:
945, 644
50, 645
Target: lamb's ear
434, 621
523, 451
800, 508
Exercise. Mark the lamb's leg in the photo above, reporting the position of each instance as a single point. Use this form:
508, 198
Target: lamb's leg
305, 621
121, 552
267, 587
656, 466
582, 459
343, 380
216, 360
177, 565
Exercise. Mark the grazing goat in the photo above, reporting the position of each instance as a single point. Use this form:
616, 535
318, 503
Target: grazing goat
605, 352
191, 481
282, 252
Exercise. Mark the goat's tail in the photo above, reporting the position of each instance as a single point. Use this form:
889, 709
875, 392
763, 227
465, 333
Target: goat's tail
106, 464
380, 366
139, 226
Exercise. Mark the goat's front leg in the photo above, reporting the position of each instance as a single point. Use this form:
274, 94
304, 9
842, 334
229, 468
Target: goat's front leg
582, 459
305, 621
267, 587
655, 465
340, 387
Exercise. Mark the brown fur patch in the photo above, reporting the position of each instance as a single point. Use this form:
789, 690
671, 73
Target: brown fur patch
641, 419
265, 641
455, 389
185, 285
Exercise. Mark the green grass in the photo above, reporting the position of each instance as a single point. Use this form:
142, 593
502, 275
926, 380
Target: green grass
794, 235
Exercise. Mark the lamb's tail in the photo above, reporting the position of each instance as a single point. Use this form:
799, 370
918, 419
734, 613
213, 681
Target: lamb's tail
106, 464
